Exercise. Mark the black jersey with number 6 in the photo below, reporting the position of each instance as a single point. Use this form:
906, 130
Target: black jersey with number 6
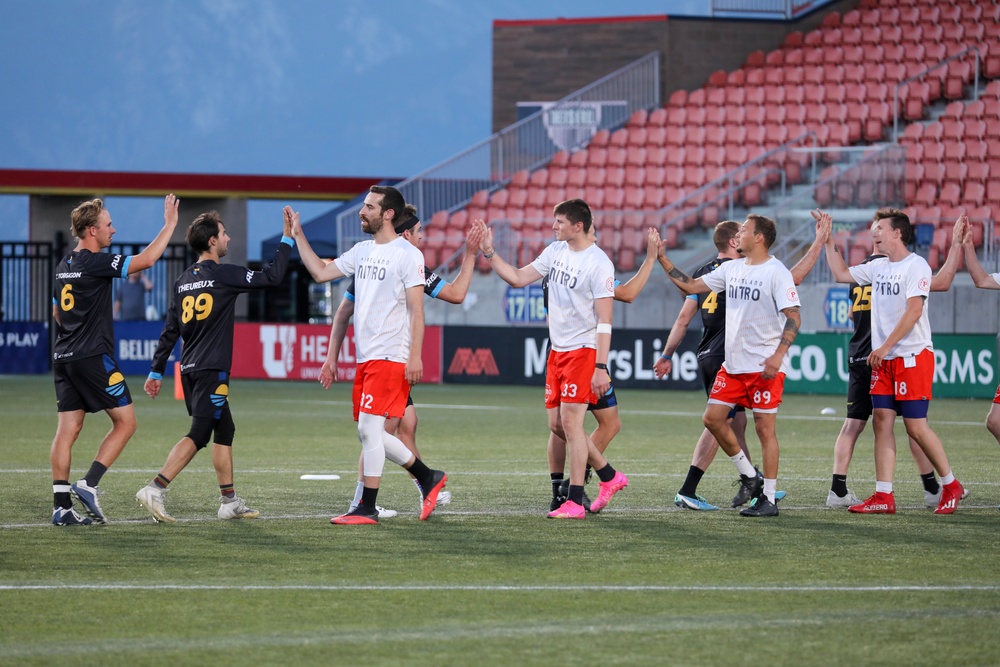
201, 311
82, 295
713, 315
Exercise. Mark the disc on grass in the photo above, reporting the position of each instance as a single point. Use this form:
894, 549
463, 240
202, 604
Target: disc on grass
320, 477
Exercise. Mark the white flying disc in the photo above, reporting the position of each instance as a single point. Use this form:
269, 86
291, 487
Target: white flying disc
320, 477
828, 411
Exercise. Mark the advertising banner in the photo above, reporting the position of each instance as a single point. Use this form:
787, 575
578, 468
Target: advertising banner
135, 345
24, 348
297, 352
965, 365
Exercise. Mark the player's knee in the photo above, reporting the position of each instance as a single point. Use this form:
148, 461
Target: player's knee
225, 432
201, 431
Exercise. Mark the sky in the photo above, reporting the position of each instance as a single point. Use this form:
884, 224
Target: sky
277, 87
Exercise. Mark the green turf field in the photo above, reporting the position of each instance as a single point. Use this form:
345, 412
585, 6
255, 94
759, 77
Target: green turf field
488, 579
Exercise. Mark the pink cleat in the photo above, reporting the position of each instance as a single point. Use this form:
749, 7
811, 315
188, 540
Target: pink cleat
568, 510
609, 489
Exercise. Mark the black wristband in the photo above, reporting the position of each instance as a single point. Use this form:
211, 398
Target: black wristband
603, 367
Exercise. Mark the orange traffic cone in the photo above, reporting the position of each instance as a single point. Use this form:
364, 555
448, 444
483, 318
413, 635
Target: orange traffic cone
178, 387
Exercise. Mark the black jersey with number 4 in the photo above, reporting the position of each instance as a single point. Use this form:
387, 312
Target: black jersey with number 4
82, 295
713, 315
861, 311
201, 312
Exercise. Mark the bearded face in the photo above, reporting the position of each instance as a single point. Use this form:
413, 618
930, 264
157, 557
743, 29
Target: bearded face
371, 214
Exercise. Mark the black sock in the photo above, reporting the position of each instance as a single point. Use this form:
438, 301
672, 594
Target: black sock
61, 498
423, 474
368, 496
930, 483
586, 474
161, 482
557, 479
227, 490
690, 487
94, 475
606, 474
839, 485
576, 494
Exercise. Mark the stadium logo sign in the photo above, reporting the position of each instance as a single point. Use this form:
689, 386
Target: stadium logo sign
277, 349
473, 362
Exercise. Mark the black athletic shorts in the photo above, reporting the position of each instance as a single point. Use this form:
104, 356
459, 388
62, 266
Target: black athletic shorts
609, 400
206, 393
91, 384
859, 398
709, 368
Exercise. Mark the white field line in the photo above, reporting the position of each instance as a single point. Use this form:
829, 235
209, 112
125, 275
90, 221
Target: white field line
522, 588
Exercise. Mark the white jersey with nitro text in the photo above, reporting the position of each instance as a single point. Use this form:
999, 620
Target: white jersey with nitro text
382, 273
575, 280
893, 283
755, 296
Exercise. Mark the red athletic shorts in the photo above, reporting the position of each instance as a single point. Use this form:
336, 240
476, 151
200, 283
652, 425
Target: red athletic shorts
380, 388
905, 378
996, 396
568, 376
749, 390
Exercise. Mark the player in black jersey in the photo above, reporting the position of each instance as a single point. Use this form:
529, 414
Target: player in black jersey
201, 313
711, 354
859, 400
87, 377
605, 410
410, 228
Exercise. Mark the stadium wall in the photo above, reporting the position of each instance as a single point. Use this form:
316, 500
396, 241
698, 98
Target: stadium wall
545, 60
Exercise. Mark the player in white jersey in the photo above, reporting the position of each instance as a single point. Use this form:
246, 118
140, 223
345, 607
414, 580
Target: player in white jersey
581, 282
762, 320
902, 357
410, 228
389, 325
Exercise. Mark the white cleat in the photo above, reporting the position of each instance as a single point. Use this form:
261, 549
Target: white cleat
833, 500
236, 508
151, 499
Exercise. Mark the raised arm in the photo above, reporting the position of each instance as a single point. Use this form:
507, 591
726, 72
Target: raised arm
630, 290
154, 250
941, 282
511, 275
338, 331
981, 279
665, 363
456, 291
321, 272
838, 267
684, 282
802, 268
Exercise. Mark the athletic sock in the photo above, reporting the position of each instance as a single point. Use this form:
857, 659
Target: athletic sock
839, 485
883, 487
94, 475
948, 479
930, 483
576, 494
423, 474
228, 491
690, 486
605, 474
743, 465
769, 486
368, 497
557, 479
161, 482
420, 489
358, 490
60, 494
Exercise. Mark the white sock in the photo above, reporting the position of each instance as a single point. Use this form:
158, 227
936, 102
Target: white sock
743, 465
420, 489
883, 487
357, 495
947, 479
769, 486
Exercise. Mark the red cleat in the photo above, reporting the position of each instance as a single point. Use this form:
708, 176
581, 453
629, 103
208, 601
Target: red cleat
430, 498
878, 503
951, 494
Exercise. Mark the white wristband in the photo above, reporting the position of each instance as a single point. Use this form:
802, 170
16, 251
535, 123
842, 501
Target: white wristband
604, 328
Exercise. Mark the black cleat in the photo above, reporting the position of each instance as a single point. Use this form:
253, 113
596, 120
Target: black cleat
564, 494
750, 487
760, 506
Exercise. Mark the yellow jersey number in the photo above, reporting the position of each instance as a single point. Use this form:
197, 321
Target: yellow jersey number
862, 296
198, 307
711, 302
66, 300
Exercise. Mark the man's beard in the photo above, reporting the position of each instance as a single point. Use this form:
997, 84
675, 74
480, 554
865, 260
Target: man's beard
369, 227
